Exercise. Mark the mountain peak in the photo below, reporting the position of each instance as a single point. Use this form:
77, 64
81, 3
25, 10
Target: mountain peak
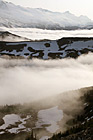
85, 18
67, 12
2, 1
3, 4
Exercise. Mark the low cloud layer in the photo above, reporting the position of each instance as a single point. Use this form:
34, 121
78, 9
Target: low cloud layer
38, 34
28, 80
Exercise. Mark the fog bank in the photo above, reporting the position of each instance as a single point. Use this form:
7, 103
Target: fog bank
28, 80
39, 34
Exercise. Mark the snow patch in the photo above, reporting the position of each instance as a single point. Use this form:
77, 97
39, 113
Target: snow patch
12, 119
49, 117
44, 138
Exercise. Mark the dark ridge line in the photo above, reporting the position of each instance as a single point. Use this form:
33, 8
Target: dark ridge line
63, 38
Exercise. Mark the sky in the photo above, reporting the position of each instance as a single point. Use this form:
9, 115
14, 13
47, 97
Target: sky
77, 7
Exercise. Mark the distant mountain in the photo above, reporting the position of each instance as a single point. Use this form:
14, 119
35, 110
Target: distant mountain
17, 16
48, 49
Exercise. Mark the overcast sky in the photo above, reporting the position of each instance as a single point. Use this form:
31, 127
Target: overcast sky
77, 7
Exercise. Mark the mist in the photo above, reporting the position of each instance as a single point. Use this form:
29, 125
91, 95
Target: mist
23, 81
40, 34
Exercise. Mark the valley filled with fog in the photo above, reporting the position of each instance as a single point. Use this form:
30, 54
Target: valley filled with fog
23, 81
42, 94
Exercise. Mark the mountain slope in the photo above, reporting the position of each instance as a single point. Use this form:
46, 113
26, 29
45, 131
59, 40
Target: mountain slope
84, 116
16, 16
82, 126
65, 47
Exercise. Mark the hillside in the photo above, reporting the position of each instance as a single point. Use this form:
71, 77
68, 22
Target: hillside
82, 124
26, 115
17, 16
48, 49
7, 36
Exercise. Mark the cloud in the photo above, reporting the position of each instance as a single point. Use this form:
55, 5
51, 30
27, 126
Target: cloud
28, 80
39, 34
